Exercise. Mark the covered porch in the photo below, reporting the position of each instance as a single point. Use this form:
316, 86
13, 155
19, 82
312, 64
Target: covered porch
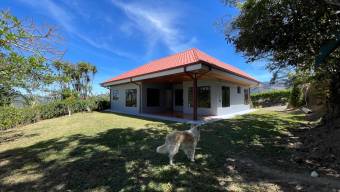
190, 95
166, 96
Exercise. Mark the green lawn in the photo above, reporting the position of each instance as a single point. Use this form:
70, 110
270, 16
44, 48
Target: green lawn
110, 152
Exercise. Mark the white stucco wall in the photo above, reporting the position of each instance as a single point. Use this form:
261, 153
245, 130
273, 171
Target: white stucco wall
119, 105
236, 99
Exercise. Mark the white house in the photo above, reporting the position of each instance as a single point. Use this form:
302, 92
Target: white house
187, 85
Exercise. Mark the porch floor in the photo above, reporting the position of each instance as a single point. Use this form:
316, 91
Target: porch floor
187, 118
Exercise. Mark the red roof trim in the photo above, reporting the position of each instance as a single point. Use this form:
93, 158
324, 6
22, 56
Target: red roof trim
178, 60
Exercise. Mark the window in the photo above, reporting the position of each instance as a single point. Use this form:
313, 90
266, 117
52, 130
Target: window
131, 98
246, 96
152, 97
238, 89
203, 96
179, 97
225, 96
115, 95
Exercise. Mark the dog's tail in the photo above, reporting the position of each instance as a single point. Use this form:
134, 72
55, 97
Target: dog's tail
162, 149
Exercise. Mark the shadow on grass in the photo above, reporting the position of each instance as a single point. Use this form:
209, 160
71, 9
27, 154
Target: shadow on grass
138, 117
13, 135
124, 159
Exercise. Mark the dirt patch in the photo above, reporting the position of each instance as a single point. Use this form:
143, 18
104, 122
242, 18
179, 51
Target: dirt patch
320, 150
266, 178
278, 108
316, 147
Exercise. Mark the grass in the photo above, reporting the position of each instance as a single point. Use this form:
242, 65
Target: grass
110, 152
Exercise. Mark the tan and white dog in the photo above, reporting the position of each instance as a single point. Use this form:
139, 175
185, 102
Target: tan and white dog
184, 140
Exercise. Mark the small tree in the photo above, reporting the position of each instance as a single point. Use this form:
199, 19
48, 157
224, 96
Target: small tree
24, 54
70, 97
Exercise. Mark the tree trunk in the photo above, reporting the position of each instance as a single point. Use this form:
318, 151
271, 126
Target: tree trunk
69, 110
334, 102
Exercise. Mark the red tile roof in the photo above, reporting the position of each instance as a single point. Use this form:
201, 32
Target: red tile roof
181, 59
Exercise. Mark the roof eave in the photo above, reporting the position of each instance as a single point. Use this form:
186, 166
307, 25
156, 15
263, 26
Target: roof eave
189, 67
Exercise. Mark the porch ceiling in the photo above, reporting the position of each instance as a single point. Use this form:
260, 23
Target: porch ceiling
177, 78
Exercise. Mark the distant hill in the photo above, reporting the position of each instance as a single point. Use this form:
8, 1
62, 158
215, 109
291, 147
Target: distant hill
266, 86
19, 101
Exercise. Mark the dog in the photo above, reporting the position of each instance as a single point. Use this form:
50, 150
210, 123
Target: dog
184, 140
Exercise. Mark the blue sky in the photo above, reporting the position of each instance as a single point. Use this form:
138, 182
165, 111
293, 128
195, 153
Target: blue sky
117, 35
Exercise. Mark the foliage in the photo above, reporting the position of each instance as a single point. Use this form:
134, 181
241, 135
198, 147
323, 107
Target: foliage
7, 95
75, 77
24, 50
11, 117
298, 80
295, 96
28, 64
289, 33
270, 98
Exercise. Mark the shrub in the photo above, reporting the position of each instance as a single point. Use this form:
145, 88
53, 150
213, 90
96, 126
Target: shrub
52, 109
296, 96
11, 117
271, 98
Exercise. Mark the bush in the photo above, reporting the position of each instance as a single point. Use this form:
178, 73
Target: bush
296, 97
11, 117
271, 98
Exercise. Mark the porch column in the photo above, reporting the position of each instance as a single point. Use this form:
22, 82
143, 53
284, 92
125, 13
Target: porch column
140, 98
110, 97
194, 96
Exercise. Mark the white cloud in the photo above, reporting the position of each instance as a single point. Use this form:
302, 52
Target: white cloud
157, 24
65, 20
104, 46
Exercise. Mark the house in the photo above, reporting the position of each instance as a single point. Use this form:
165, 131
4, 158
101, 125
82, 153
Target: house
189, 84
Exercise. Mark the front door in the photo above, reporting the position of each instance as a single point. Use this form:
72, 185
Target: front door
178, 100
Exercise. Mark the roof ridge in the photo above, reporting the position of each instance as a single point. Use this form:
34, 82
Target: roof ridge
195, 54
174, 54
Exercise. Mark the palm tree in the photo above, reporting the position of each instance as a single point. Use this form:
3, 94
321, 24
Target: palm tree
86, 73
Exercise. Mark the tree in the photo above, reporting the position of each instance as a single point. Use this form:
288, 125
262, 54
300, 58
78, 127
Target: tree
83, 76
290, 34
76, 77
24, 54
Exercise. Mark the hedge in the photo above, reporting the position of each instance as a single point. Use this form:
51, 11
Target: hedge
11, 117
271, 98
